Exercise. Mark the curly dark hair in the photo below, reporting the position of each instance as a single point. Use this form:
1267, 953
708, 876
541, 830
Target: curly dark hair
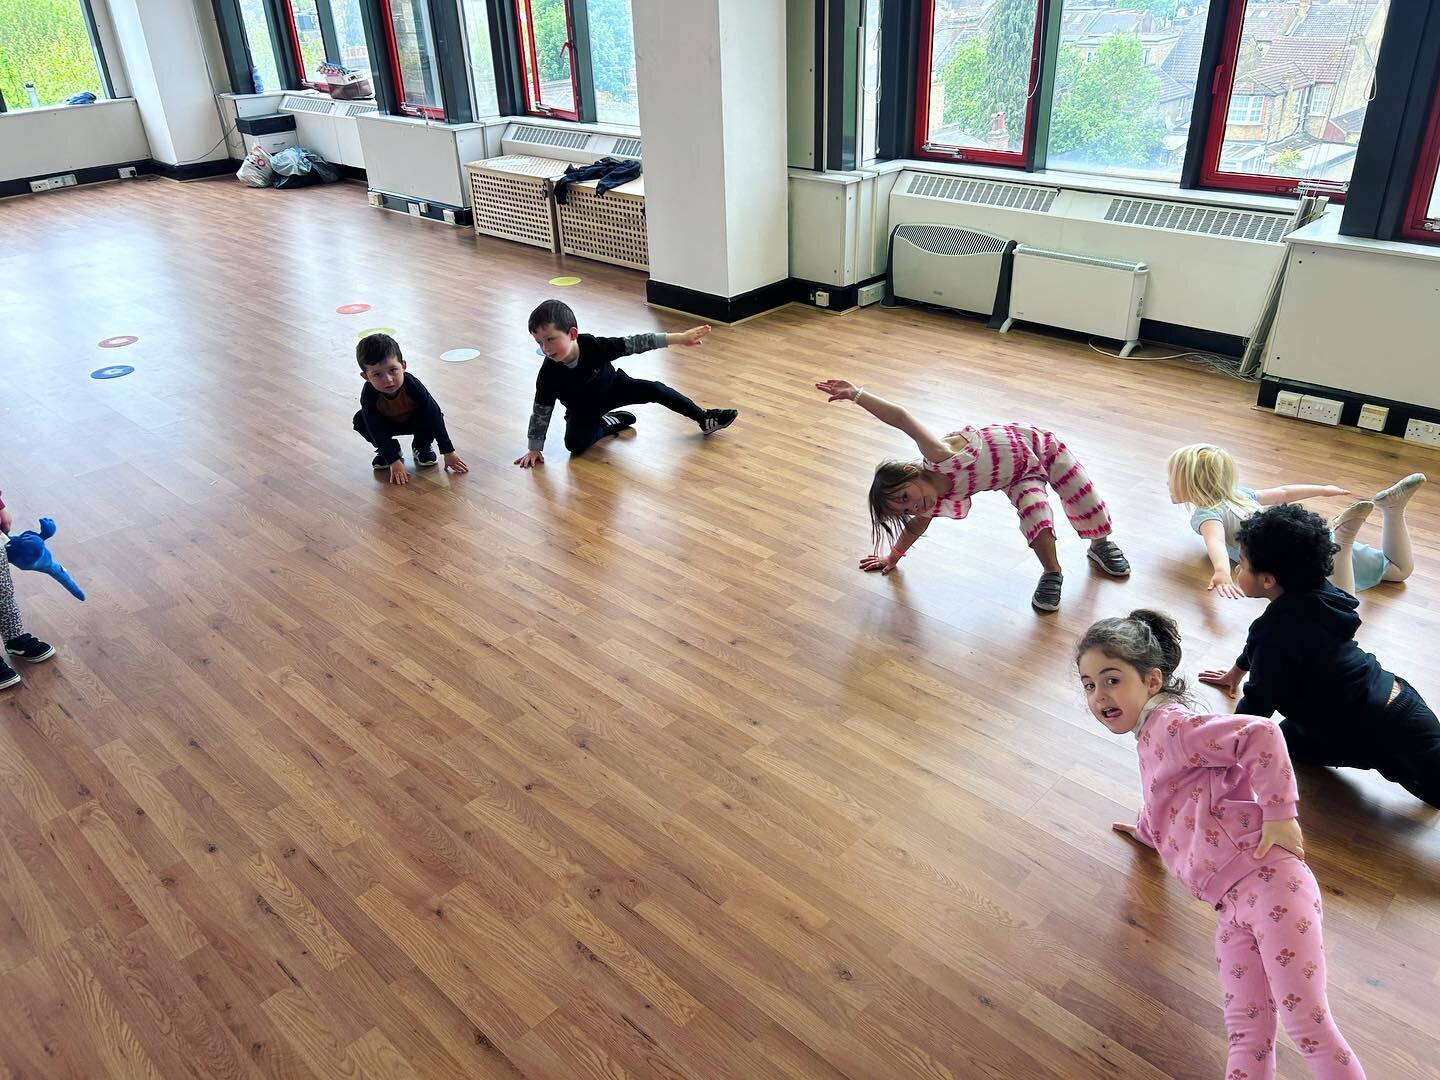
1289, 542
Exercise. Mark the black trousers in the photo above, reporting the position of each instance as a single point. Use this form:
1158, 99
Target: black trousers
1402, 743
415, 426
583, 424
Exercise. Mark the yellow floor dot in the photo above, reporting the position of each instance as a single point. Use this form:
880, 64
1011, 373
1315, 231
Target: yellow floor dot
564, 281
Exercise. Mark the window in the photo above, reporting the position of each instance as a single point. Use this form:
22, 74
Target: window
1246, 108
978, 74
1297, 79
265, 70
867, 129
412, 45
1422, 217
547, 54
612, 61
1124, 88
47, 53
476, 14
350, 35
309, 42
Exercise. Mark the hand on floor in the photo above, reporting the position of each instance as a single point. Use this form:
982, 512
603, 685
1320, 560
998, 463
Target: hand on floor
1228, 681
530, 459
1222, 583
398, 475
454, 464
883, 563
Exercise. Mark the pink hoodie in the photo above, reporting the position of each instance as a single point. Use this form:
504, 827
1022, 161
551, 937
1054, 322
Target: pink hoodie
1210, 782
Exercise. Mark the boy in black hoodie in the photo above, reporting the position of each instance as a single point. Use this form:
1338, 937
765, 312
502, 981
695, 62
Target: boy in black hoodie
1340, 706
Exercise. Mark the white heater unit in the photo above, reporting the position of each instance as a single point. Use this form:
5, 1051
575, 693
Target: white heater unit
1104, 297
945, 265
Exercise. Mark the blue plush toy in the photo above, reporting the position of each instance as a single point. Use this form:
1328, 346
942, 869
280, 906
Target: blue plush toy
28, 552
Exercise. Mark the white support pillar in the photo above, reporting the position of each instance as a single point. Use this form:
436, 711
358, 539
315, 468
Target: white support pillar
712, 90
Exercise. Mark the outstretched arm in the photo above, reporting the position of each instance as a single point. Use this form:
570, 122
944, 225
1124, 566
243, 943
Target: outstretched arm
1291, 493
1213, 533
934, 448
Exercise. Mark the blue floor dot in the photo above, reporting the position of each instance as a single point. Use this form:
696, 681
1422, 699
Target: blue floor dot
111, 372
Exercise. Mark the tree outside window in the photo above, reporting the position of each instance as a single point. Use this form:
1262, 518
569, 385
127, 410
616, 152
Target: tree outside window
612, 61
47, 43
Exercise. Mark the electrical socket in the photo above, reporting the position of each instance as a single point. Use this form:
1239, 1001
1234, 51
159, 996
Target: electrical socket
128, 172
1287, 403
1373, 417
1426, 432
376, 199
820, 297
1320, 410
871, 294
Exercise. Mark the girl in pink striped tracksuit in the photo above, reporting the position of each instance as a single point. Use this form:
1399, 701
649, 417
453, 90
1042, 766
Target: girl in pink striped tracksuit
1220, 806
1017, 459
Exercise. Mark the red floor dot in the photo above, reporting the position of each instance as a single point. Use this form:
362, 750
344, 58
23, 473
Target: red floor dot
119, 342
351, 309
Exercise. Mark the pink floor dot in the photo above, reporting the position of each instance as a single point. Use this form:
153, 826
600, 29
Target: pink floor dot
351, 309
119, 342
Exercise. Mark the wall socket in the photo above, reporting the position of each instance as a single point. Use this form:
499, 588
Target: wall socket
1426, 432
871, 294
1373, 417
128, 172
1319, 410
52, 182
1287, 403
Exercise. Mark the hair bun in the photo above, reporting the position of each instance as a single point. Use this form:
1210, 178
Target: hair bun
1165, 629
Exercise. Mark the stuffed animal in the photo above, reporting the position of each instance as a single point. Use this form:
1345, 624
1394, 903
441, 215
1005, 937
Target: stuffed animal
27, 550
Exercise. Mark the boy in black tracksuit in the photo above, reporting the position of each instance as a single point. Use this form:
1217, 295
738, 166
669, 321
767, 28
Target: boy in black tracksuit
394, 402
579, 371
1340, 706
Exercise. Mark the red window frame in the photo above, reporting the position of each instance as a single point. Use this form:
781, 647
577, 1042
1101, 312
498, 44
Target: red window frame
1018, 158
530, 62
1422, 188
1222, 92
430, 112
292, 34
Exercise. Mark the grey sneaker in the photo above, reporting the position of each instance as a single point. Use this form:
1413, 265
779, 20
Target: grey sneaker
1047, 593
1108, 556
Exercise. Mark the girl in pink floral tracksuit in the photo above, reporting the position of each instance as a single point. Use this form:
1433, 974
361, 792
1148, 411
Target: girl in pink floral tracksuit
1220, 808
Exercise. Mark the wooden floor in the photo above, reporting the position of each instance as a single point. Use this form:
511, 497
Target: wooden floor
620, 767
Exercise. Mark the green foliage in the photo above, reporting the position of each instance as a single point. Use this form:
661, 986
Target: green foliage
1287, 161
552, 30
1105, 109
45, 42
966, 101
1008, 52
1161, 9
612, 48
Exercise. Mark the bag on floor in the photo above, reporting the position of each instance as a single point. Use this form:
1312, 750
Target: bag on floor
255, 170
292, 161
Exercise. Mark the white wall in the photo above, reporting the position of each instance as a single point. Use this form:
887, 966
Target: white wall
165, 46
43, 142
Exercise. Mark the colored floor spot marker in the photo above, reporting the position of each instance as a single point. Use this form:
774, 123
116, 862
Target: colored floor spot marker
459, 356
351, 309
113, 372
119, 342
564, 281
377, 330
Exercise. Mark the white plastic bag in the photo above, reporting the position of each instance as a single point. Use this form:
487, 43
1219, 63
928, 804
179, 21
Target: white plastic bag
255, 169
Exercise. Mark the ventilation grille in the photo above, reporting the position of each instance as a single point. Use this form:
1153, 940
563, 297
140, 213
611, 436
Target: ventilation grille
627, 148
514, 206
1023, 250
983, 192
542, 136
1184, 217
298, 103
361, 108
609, 227
944, 240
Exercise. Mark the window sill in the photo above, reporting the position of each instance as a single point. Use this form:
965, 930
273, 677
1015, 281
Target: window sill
45, 110
1107, 185
1326, 233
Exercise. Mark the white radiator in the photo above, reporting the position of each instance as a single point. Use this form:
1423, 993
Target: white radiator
1104, 297
940, 264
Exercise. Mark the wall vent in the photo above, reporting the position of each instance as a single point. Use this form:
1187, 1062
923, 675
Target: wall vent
1207, 220
627, 148
302, 103
361, 108
983, 192
543, 136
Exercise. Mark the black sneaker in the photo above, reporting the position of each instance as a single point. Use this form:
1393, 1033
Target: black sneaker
378, 463
618, 421
424, 455
29, 648
8, 676
1107, 555
1047, 593
717, 420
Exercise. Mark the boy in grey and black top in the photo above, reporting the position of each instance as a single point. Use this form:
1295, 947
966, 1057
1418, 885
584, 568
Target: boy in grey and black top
580, 372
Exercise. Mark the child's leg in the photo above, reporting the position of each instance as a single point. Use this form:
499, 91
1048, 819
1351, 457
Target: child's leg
583, 429
1249, 1009
1037, 521
1394, 536
627, 391
10, 625
1344, 529
1082, 504
361, 429
1407, 748
1286, 920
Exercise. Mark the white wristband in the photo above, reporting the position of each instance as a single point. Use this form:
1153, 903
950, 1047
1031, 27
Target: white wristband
858, 391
